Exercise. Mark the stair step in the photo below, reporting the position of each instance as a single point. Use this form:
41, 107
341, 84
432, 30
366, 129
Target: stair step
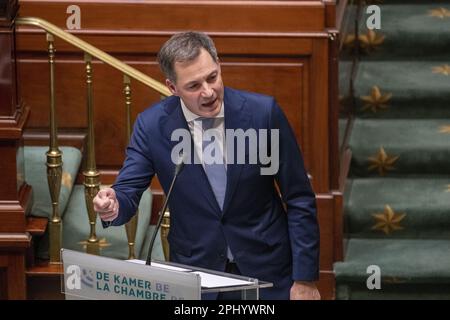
393, 291
45, 269
405, 266
411, 30
412, 89
406, 260
422, 147
420, 206
36, 226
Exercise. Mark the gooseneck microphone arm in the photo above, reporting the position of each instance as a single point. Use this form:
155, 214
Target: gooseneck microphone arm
178, 169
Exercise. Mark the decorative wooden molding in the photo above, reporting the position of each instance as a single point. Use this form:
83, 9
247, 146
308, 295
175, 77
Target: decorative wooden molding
15, 240
36, 225
247, 16
11, 128
41, 136
45, 269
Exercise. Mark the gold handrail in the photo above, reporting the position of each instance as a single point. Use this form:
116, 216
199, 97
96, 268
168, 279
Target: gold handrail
91, 174
94, 52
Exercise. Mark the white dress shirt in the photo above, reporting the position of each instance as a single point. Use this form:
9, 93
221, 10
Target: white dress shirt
195, 127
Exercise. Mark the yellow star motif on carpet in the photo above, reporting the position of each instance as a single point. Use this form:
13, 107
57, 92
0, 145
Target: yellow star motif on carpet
382, 162
370, 41
444, 69
349, 41
448, 188
102, 243
444, 129
66, 180
440, 13
376, 100
388, 221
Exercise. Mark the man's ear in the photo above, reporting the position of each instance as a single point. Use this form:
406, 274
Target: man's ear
172, 87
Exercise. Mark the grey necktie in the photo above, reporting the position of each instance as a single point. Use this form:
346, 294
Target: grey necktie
216, 172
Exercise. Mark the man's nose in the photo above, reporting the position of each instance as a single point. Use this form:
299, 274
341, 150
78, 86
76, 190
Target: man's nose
207, 91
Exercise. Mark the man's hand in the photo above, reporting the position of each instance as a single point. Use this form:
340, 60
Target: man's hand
106, 204
302, 290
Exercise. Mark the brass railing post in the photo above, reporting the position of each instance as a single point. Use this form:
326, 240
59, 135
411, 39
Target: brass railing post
91, 175
165, 228
54, 164
127, 92
130, 226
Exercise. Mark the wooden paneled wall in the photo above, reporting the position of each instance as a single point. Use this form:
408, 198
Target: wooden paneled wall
280, 48
15, 195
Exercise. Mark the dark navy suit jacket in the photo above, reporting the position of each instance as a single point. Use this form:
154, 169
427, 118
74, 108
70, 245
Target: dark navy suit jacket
267, 242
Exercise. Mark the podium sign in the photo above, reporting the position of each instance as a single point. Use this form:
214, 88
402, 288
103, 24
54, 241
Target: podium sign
88, 276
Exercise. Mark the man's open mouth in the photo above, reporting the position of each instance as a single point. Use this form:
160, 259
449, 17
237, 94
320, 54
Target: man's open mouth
209, 104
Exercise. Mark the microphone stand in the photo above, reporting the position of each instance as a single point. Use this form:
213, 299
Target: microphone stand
178, 168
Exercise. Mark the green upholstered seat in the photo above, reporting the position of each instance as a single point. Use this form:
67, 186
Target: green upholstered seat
113, 240
36, 176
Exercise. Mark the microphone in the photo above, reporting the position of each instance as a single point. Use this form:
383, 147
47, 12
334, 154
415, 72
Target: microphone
178, 169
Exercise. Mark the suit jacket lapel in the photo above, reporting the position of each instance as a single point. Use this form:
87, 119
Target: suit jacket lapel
236, 117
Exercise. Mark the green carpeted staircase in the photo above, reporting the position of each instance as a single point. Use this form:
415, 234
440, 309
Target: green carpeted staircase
397, 198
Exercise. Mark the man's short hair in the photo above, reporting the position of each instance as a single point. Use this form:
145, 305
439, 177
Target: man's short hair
183, 47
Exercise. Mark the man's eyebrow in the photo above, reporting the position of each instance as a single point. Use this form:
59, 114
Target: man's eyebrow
191, 83
197, 80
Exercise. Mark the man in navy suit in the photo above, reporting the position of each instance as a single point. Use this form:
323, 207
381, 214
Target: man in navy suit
226, 215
